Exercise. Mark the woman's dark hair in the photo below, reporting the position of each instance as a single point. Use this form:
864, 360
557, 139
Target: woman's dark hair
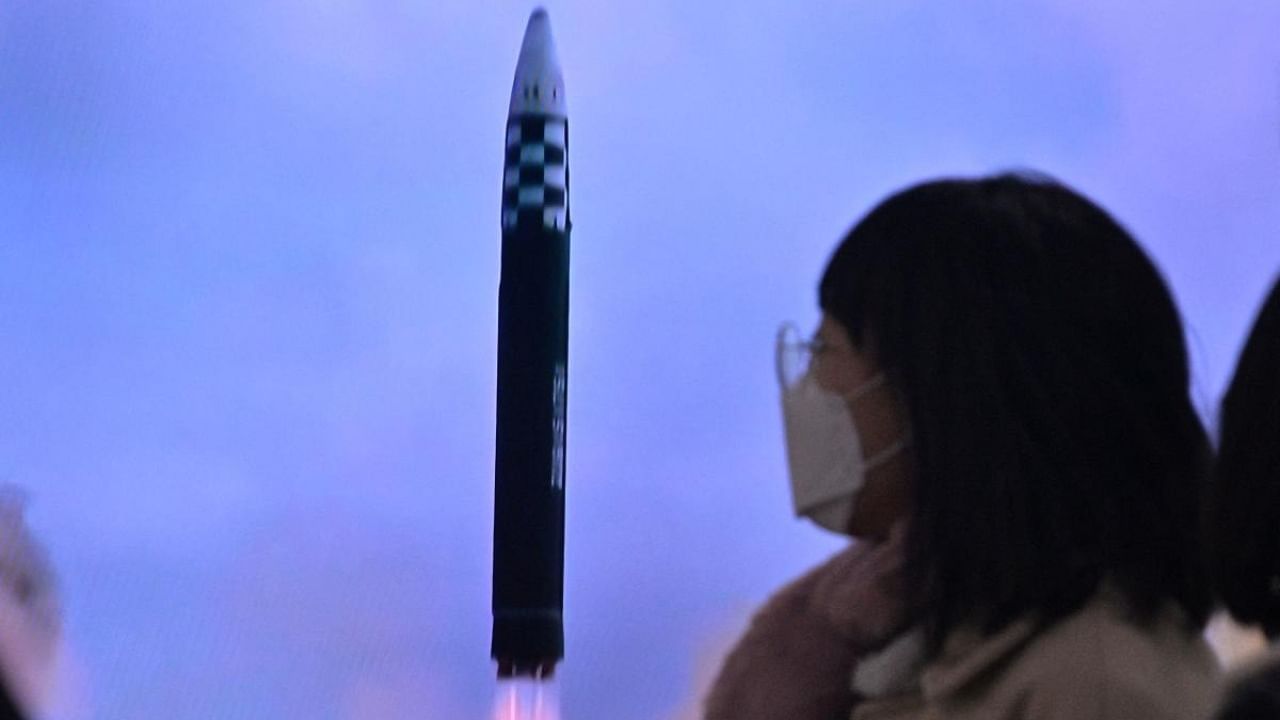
1042, 363
1244, 507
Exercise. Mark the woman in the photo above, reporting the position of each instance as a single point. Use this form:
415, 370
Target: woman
995, 407
1244, 506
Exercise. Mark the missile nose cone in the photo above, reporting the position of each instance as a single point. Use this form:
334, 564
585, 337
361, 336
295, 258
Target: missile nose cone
537, 35
539, 84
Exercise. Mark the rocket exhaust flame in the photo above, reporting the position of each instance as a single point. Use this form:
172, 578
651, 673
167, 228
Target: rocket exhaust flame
526, 700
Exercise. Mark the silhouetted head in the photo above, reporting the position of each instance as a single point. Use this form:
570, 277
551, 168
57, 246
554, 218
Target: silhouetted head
1038, 362
1256, 696
9, 707
1245, 496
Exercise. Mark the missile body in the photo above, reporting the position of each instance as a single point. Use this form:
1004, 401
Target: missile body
533, 338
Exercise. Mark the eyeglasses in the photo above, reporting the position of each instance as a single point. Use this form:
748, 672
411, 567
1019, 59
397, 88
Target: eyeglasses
794, 355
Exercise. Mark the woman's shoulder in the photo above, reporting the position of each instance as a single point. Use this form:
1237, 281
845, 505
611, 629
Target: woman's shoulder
1099, 662
1104, 661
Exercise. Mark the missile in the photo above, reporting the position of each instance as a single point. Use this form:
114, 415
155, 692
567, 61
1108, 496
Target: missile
533, 343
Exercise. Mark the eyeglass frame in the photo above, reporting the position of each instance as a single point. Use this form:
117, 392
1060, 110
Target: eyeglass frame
813, 347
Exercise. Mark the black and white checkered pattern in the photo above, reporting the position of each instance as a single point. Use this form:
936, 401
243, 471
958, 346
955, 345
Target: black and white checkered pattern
535, 180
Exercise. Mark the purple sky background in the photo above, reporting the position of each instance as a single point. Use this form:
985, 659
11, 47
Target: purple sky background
248, 290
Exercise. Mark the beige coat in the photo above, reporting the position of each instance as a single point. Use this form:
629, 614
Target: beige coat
1096, 664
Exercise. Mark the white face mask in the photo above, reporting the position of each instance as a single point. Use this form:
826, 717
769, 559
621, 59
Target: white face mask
824, 451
